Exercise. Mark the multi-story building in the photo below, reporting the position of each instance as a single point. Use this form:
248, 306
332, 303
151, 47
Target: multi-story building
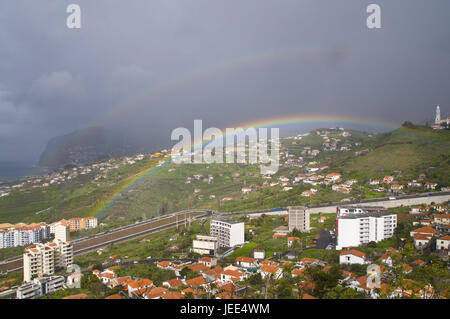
205, 245
90, 222
40, 287
62, 231
43, 259
229, 232
77, 224
357, 225
22, 235
298, 219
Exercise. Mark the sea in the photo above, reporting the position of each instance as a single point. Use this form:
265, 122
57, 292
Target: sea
10, 171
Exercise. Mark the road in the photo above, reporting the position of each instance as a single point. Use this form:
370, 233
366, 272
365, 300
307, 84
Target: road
329, 208
324, 239
125, 233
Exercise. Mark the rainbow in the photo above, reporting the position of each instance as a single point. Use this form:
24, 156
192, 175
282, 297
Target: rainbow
101, 208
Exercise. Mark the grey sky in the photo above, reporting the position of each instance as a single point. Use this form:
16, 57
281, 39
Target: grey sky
161, 64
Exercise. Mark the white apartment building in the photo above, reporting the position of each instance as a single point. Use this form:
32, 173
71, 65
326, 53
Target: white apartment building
62, 232
43, 259
40, 287
205, 245
229, 232
360, 225
299, 219
23, 235
90, 222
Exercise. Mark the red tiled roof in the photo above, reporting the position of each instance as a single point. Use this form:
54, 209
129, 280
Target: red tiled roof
197, 281
175, 282
140, 283
307, 296
77, 296
156, 292
245, 259
425, 230
353, 252
269, 269
173, 295
198, 267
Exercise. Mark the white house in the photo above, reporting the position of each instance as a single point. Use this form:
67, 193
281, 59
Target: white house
245, 262
352, 257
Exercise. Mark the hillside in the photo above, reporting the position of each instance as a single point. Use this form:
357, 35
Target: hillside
86, 146
406, 152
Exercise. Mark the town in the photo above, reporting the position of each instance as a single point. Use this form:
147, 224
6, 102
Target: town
358, 234
316, 228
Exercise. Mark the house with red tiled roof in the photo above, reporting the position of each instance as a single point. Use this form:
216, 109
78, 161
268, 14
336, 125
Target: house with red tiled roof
388, 179
155, 293
268, 270
196, 282
115, 296
173, 295
173, 283
270, 263
208, 261
418, 262
163, 264
227, 295
298, 272
212, 274
386, 259
121, 281
308, 261
198, 267
421, 240
135, 285
245, 262
229, 287
443, 244
352, 256
307, 286
422, 236
106, 276
229, 275
292, 240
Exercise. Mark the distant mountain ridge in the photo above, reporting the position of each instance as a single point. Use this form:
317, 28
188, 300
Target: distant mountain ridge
85, 146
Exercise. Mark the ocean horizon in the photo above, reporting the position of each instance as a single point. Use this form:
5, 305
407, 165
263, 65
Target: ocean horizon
10, 170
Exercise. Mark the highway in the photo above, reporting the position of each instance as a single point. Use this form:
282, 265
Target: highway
405, 200
121, 234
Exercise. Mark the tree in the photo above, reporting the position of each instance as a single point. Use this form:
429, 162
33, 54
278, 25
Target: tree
188, 273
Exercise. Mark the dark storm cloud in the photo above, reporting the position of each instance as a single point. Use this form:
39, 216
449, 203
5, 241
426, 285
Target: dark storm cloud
260, 59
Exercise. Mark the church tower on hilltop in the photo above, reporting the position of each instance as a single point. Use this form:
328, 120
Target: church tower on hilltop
438, 115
